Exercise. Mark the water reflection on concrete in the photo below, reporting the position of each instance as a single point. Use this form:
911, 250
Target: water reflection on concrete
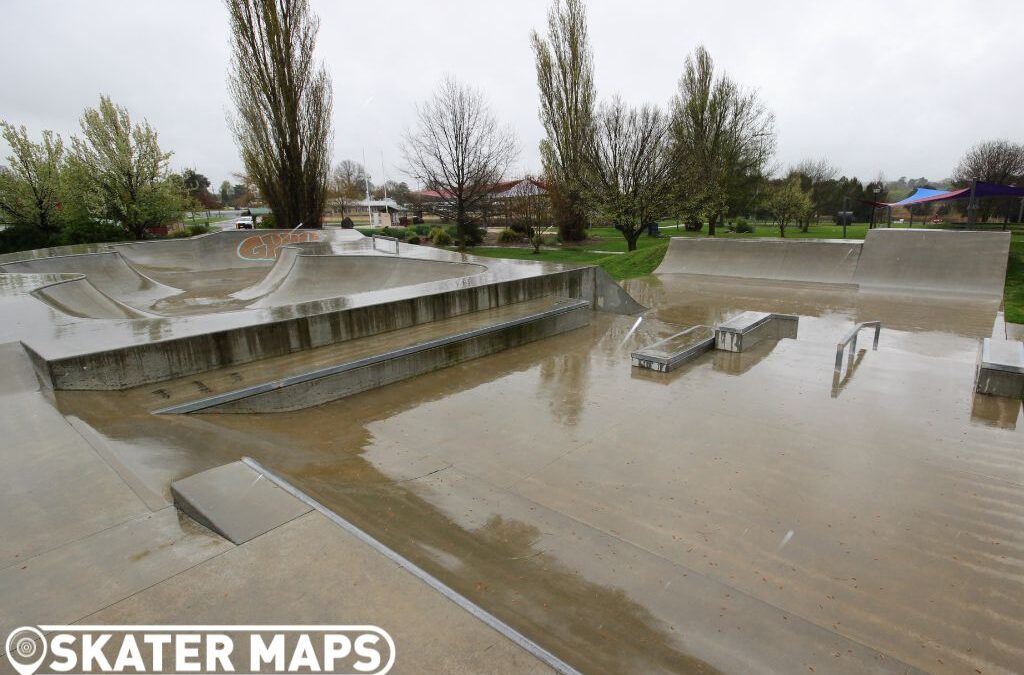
733, 512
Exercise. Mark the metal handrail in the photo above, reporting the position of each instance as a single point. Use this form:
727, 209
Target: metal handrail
375, 237
851, 338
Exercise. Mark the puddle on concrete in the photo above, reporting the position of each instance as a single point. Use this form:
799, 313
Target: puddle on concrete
741, 509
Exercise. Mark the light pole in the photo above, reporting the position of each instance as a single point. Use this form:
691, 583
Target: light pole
877, 190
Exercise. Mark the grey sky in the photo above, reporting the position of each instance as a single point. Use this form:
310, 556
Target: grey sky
897, 86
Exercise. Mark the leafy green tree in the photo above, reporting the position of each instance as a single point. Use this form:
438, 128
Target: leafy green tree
117, 172
723, 139
788, 202
30, 185
565, 78
225, 192
630, 167
283, 101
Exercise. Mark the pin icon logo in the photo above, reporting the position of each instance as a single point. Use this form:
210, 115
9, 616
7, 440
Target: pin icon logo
25, 649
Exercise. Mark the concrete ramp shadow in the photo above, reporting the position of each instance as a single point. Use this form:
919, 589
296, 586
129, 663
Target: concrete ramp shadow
236, 502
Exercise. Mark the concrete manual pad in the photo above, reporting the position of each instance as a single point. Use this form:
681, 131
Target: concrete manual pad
236, 502
1001, 371
747, 329
672, 352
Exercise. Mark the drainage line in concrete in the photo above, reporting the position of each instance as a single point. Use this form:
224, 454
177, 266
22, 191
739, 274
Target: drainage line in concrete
418, 572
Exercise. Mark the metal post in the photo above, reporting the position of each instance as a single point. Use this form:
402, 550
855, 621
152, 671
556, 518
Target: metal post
1020, 214
972, 206
846, 201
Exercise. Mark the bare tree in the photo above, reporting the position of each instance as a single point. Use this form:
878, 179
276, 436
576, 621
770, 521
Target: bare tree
991, 161
630, 167
724, 138
816, 170
348, 182
565, 78
458, 150
998, 161
282, 123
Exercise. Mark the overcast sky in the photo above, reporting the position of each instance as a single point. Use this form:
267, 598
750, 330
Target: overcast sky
897, 86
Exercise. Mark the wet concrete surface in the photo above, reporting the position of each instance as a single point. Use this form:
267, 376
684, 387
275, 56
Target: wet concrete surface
745, 513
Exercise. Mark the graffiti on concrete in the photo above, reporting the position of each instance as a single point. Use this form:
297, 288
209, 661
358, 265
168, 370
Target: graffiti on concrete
266, 246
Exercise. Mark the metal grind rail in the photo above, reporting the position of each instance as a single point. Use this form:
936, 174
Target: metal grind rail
851, 339
385, 238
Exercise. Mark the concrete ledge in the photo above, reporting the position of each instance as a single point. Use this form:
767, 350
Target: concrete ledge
160, 360
235, 502
1001, 368
329, 384
674, 351
747, 329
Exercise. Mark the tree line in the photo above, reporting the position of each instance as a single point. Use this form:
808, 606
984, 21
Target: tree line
705, 158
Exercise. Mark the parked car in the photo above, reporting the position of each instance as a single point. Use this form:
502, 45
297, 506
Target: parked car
244, 223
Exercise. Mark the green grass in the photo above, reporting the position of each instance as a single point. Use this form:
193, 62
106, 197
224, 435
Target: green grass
1013, 294
635, 264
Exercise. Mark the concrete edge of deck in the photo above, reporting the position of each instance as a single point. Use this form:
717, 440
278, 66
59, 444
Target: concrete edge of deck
323, 385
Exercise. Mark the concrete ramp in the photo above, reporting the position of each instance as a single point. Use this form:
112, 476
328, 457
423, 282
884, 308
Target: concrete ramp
949, 262
109, 272
236, 502
228, 249
318, 277
76, 296
827, 261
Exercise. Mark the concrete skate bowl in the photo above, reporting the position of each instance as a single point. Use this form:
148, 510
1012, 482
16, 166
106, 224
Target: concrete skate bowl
226, 272
943, 262
297, 277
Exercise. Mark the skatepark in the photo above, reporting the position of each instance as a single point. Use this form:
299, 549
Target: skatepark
294, 425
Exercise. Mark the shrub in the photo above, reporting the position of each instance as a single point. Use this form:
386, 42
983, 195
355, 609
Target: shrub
92, 232
197, 229
743, 227
267, 222
422, 230
441, 238
399, 233
25, 238
347, 224
509, 236
414, 239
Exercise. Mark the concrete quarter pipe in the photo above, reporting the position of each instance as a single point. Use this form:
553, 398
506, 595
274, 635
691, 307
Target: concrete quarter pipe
915, 261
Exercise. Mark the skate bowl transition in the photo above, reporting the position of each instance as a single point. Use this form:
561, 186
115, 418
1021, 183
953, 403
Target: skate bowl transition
146, 312
956, 263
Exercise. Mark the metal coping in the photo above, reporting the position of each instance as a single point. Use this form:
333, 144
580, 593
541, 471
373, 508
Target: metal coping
726, 328
696, 348
238, 394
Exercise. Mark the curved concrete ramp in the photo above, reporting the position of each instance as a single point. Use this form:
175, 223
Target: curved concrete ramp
76, 296
228, 249
950, 262
275, 277
318, 277
828, 261
108, 272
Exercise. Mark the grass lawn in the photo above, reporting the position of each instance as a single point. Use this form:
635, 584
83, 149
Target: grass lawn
1013, 294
